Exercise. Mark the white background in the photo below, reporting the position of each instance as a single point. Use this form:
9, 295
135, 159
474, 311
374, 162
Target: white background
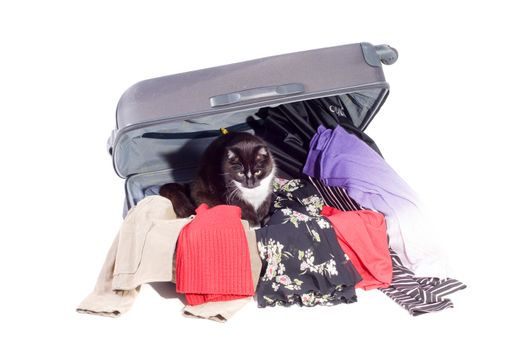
453, 127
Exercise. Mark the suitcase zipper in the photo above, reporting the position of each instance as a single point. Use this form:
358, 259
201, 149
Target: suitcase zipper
194, 134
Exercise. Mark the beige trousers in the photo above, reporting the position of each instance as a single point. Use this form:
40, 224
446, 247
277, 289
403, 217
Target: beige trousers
143, 252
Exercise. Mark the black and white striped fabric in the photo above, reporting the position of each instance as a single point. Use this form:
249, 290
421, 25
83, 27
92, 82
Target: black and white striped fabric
418, 295
335, 197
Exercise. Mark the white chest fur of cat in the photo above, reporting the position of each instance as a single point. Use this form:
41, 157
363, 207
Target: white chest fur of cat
256, 196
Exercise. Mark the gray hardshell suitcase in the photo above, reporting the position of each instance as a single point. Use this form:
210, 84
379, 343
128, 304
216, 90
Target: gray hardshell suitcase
195, 105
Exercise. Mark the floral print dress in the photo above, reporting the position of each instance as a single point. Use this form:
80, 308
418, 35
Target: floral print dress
303, 262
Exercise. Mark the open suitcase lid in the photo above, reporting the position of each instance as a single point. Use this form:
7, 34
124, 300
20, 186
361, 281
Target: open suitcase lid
195, 105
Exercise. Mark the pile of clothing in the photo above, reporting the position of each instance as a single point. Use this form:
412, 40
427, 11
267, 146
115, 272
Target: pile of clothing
339, 221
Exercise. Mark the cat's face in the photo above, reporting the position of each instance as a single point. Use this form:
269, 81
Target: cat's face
248, 164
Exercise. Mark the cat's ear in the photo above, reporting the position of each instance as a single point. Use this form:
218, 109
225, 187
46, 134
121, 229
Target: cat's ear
230, 154
262, 152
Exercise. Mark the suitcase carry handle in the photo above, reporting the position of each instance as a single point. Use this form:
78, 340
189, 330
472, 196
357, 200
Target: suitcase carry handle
256, 93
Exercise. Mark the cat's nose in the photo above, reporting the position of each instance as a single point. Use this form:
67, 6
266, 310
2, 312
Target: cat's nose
250, 183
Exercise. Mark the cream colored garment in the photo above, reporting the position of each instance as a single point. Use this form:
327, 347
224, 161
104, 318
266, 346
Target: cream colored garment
221, 311
142, 252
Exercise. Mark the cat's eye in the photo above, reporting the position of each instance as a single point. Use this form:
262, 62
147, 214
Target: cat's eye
257, 172
240, 173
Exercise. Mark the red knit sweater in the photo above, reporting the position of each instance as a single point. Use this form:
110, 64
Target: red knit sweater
212, 257
362, 235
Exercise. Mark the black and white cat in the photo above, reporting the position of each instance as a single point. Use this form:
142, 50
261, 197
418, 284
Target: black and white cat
236, 169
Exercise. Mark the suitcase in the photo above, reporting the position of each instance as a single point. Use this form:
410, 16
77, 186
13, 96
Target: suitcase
164, 124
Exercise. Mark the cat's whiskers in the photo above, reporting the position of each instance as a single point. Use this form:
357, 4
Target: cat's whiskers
234, 192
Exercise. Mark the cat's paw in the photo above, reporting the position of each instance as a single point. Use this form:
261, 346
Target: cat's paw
181, 203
